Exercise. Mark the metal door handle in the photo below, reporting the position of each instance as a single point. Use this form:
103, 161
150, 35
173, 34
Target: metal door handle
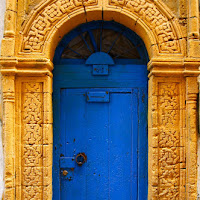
81, 158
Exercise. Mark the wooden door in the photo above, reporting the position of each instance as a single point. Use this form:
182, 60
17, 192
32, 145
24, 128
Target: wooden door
100, 131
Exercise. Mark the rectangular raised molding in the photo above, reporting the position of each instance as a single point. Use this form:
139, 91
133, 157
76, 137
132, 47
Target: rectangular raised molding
167, 161
34, 135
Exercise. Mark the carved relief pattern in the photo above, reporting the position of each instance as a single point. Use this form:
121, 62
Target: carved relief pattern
32, 134
32, 192
34, 41
32, 155
169, 141
32, 176
32, 148
162, 27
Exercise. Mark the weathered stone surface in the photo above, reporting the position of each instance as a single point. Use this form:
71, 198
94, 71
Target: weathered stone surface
170, 31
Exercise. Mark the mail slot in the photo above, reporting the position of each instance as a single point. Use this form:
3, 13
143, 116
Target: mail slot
98, 96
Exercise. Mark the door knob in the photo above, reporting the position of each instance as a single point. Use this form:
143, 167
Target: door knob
81, 158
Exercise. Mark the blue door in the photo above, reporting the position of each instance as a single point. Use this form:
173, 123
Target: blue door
100, 115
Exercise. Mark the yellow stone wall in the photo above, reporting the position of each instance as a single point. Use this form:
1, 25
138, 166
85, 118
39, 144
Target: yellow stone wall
170, 31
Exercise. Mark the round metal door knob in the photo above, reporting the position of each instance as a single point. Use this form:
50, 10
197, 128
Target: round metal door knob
81, 158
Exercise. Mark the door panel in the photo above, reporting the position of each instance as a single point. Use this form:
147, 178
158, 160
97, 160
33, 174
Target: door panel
120, 76
123, 146
107, 134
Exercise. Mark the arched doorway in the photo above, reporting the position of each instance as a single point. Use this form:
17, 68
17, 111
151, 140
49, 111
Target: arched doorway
100, 114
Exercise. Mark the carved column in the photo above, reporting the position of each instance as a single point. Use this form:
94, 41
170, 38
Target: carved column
191, 137
8, 85
34, 136
166, 138
152, 141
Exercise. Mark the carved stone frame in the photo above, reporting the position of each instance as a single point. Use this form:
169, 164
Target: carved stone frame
27, 92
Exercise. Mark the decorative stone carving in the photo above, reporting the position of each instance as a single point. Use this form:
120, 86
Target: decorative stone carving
32, 149
32, 192
43, 23
32, 134
156, 20
169, 140
147, 11
27, 126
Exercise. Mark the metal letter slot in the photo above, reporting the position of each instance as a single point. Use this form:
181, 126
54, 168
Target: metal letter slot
98, 96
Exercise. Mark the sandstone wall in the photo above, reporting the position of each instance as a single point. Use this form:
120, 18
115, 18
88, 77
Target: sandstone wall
26, 6
2, 10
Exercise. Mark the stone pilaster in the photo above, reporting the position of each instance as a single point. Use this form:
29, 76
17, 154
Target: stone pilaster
166, 138
35, 137
191, 137
8, 85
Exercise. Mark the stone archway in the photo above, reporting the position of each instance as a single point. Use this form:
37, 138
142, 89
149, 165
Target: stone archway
27, 95
154, 24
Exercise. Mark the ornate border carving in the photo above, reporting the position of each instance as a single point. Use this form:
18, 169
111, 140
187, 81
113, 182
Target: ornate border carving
28, 135
162, 27
164, 30
34, 138
167, 138
35, 38
32, 149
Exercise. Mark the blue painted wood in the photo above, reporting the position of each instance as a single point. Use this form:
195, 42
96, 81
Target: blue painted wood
119, 76
107, 134
86, 42
142, 143
113, 135
100, 70
73, 121
56, 145
99, 58
123, 146
97, 175
93, 40
117, 61
67, 162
